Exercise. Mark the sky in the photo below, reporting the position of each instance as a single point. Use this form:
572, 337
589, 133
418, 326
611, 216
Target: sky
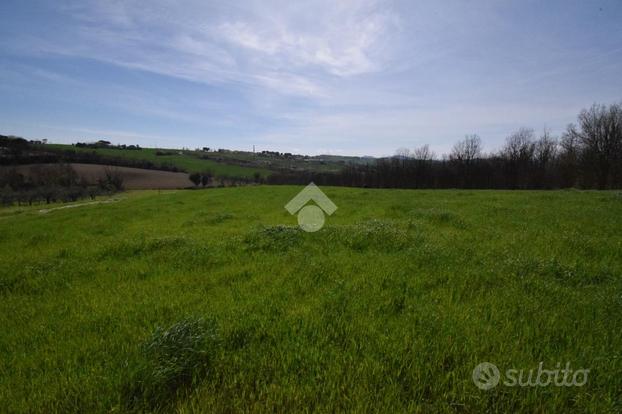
344, 77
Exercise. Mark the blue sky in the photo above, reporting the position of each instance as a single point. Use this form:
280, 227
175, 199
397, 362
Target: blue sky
342, 77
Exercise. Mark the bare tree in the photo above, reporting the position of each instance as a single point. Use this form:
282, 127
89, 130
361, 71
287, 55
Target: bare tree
423, 153
421, 171
402, 153
467, 150
464, 155
569, 159
545, 149
545, 160
112, 180
520, 146
598, 139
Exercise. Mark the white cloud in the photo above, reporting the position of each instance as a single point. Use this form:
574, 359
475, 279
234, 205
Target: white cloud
347, 47
290, 84
290, 50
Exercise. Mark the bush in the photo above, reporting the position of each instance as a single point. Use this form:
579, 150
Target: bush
171, 360
274, 238
206, 177
195, 178
112, 181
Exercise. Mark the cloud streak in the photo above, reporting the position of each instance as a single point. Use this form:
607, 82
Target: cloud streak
280, 52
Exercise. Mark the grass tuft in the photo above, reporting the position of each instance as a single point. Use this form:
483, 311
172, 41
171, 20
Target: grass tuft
274, 238
170, 361
372, 235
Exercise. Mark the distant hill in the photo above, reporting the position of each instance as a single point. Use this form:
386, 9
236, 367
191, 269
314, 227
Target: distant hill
220, 162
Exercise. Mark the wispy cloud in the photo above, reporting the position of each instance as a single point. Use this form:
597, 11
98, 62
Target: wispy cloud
348, 48
286, 52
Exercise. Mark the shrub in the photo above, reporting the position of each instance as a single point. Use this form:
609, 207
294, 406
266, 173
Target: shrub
195, 178
274, 238
171, 360
206, 177
374, 234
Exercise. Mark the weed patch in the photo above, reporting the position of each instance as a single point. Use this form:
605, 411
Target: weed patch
274, 238
573, 274
170, 361
439, 217
371, 235
143, 246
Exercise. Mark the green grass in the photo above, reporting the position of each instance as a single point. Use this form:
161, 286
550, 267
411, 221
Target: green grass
214, 301
185, 161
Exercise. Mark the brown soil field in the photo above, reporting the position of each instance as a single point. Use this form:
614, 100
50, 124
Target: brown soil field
133, 178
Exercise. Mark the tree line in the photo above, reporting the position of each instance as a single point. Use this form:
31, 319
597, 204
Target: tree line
18, 151
51, 183
587, 155
107, 145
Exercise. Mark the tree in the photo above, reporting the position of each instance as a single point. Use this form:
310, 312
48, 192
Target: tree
598, 139
545, 149
545, 156
205, 178
112, 180
422, 160
520, 145
518, 154
257, 177
423, 153
402, 153
464, 155
195, 178
467, 150
569, 160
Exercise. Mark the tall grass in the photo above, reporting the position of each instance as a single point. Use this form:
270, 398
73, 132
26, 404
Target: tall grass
215, 301
171, 360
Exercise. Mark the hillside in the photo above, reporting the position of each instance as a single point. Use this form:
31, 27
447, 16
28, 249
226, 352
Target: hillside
187, 161
222, 162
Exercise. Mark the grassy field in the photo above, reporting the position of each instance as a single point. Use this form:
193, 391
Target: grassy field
214, 301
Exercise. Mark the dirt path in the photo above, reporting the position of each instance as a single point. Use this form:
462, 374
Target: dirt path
90, 203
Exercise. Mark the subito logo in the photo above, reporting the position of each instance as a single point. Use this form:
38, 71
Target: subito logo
486, 376
311, 217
